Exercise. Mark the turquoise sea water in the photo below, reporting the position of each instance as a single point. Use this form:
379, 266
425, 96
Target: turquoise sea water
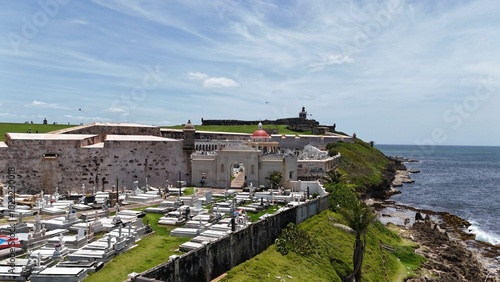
462, 180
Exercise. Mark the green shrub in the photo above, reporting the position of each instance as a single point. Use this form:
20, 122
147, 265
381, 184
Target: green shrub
295, 240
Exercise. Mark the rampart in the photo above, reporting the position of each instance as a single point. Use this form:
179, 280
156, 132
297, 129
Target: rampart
112, 129
47, 161
213, 259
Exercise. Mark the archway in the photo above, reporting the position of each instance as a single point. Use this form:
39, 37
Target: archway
237, 174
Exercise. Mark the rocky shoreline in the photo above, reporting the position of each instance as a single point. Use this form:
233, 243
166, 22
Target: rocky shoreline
452, 252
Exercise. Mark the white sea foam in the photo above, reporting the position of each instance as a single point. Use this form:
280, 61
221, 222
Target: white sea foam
482, 235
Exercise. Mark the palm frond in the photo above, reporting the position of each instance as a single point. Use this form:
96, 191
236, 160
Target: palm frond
344, 227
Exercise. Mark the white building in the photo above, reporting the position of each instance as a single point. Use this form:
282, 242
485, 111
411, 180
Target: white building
259, 157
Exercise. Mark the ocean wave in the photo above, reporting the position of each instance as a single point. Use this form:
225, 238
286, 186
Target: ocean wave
484, 236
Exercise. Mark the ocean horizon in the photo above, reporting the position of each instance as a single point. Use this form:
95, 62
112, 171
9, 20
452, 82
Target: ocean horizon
460, 179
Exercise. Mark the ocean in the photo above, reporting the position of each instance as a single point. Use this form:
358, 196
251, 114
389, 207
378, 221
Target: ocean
461, 180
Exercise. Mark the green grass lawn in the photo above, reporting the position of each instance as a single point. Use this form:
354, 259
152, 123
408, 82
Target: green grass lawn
282, 129
362, 164
332, 257
151, 250
23, 128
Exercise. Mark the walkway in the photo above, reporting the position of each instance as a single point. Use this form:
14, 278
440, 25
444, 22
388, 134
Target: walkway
239, 180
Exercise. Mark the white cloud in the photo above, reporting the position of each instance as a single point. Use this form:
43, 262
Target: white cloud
212, 82
198, 75
219, 82
40, 104
331, 60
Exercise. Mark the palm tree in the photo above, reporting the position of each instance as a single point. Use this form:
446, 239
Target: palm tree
358, 218
332, 177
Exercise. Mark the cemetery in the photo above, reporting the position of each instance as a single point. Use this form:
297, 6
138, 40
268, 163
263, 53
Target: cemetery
110, 186
68, 245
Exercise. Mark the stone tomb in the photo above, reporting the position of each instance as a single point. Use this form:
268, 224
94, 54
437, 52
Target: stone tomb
101, 250
176, 218
21, 270
52, 211
89, 266
59, 274
72, 242
185, 232
163, 207
50, 252
188, 246
17, 273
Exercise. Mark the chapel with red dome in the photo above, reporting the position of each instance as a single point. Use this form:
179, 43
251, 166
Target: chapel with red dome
261, 140
260, 134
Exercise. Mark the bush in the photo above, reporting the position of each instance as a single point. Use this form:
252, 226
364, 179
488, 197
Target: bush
295, 240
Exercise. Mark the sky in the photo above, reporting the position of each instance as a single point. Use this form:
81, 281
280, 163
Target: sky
392, 71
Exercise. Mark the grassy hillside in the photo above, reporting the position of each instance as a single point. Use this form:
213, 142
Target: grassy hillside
365, 167
332, 257
282, 129
387, 257
24, 127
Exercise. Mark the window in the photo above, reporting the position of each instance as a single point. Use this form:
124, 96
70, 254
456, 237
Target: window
222, 168
252, 169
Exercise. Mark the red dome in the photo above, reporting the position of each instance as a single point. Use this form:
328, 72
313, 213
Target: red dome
260, 133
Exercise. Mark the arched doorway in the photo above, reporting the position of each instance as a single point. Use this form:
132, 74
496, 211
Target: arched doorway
237, 174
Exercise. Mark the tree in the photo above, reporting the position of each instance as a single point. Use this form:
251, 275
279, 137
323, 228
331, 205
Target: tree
341, 196
358, 218
275, 178
332, 177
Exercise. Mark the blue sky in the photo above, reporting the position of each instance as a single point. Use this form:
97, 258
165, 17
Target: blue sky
395, 71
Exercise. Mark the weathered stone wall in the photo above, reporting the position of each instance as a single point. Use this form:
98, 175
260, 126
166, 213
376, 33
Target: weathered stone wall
137, 160
45, 164
42, 163
212, 260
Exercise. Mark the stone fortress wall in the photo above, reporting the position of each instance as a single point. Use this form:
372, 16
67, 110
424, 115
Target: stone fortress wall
98, 154
300, 123
92, 157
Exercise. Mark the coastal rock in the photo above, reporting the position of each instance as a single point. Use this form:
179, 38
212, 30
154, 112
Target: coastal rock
418, 216
447, 259
401, 177
393, 191
443, 239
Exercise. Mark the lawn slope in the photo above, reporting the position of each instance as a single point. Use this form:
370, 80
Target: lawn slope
365, 168
24, 127
332, 258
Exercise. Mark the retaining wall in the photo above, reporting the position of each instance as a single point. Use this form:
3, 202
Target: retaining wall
212, 260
